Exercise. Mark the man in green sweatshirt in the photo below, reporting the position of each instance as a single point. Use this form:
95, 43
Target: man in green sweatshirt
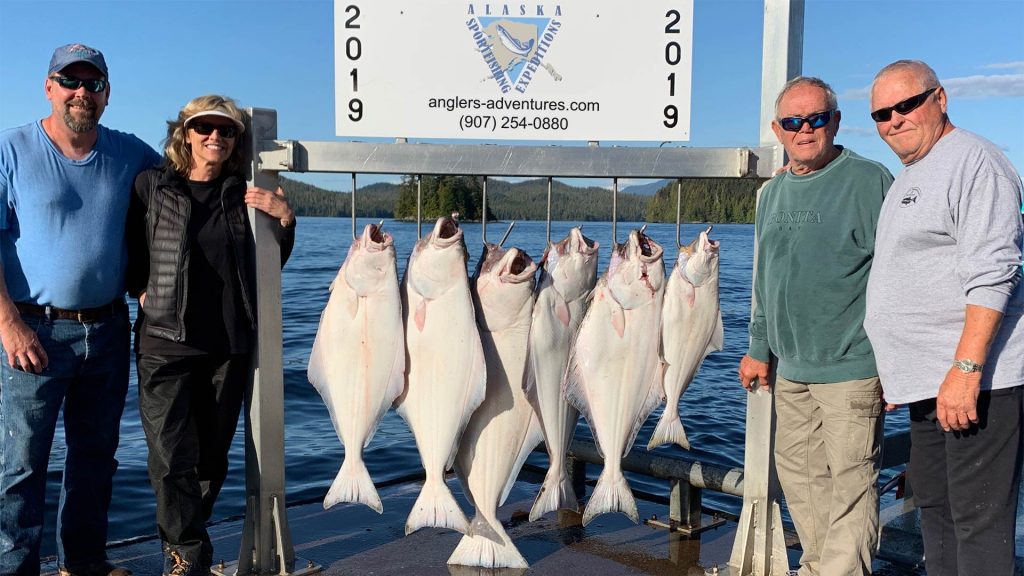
815, 234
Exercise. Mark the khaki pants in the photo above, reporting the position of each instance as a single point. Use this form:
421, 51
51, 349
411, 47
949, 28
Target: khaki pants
827, 451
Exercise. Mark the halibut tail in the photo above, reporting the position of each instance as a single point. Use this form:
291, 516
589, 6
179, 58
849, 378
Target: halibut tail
556, 492
353, 484
612, 494
669, 430
436, 507
487, 552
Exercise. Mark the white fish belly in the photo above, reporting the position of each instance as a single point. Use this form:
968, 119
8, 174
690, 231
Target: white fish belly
445, 375
550, 344
499, 429
687, 332
356, 356
617, 374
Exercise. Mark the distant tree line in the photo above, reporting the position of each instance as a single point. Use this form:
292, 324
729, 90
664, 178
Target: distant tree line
441, 196
706, 200
703, 200
373, 201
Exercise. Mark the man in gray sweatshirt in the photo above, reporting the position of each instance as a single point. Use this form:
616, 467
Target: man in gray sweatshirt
944, 315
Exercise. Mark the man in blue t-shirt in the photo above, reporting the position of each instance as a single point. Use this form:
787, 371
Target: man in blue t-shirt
65, 182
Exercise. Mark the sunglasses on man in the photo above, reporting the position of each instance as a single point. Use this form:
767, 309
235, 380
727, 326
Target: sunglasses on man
815, 121
96, 85
904, 107
207, 128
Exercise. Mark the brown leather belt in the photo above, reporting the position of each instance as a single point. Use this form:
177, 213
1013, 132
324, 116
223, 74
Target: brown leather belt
84, 315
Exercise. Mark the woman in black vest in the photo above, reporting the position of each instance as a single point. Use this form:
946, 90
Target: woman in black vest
190, 267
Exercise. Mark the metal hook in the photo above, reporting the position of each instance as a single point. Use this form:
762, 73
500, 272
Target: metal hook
679, 205
353, 205
419, 206
483, 217
511, 225
549, 210
615, 210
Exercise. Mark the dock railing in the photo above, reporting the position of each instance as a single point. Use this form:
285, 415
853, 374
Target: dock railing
266, 543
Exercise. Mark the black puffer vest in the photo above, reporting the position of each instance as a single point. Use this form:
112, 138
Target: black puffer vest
159, 245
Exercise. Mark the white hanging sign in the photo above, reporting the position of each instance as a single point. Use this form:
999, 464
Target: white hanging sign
544, 70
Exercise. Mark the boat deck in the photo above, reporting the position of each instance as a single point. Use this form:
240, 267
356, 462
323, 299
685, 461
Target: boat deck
352, 539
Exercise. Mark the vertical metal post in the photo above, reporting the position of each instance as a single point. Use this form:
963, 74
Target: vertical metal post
549, 213
354, 206
578, 476
419, 206
760, 548
684, 504
615, 211
483, 216
266, 540
679, 212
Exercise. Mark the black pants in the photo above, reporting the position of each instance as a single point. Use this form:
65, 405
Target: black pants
966, 485
189, 407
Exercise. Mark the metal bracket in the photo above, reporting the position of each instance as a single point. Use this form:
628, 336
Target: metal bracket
706, 523
231, 568
278, 156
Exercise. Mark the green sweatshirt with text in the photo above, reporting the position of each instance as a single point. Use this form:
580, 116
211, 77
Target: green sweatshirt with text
815, 237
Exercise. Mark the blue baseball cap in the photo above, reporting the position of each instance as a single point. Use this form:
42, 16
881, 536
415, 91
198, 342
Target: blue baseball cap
71, 53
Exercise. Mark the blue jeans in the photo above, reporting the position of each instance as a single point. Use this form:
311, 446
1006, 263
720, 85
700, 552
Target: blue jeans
88, 374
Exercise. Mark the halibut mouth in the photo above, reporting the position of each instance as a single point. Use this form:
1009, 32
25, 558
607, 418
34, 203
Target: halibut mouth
448, 228
520, 263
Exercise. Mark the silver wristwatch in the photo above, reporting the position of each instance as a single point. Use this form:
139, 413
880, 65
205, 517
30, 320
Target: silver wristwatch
967, 366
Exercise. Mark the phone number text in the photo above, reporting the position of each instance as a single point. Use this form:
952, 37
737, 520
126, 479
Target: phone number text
493, 123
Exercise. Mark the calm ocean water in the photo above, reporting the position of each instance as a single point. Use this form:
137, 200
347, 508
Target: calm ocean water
713, 408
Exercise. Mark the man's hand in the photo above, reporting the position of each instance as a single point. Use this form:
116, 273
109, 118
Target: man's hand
753, 371
956, 406
24, 352
888, 407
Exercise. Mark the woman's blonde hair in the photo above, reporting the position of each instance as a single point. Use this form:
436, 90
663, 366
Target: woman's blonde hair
176, 146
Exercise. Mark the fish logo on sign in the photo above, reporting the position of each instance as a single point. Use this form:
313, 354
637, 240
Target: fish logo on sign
514, 41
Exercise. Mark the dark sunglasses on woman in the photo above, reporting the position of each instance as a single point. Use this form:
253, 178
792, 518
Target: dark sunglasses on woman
207, 128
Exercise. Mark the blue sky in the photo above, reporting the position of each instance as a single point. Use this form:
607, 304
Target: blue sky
279, 54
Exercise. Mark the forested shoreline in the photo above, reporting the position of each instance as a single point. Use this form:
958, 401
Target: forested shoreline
703, 200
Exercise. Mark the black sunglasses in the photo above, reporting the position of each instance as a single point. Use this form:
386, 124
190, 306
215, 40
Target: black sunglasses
904, 107
815, 121
206, 128
95, 85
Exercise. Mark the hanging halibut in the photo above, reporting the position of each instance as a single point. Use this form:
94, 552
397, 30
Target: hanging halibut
504, 429
445, 373
358, 359
568, 276
691, 328
614, 375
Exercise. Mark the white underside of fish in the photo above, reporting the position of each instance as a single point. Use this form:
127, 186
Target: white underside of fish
568, 277
504, 429
691, 329
614, 375
357, 366
445, 377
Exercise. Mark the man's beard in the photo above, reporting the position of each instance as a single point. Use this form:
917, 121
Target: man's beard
84, 125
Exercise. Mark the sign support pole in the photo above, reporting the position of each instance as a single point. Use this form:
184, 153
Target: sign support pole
266, 540
760, 545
